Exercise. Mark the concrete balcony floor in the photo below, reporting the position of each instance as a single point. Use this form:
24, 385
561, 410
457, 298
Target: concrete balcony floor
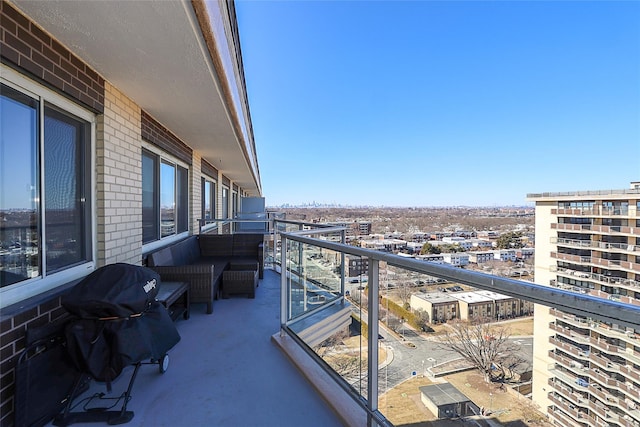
225, 371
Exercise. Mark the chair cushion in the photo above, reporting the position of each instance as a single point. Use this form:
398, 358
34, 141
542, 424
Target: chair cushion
246, 245
186, 252
216, 245
160, 258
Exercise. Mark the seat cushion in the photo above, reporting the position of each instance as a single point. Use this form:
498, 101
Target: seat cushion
244, 264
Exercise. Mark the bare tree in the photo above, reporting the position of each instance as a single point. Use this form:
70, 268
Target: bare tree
485, 346
404, 291
348, 363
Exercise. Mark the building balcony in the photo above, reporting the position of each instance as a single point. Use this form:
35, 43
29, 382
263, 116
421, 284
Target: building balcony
631, 372
568, 394
562, 418
611, 230
596, 211
630, 284
226, 370
593, 244
232, 367
628, 266
571, 349
565, 405
569, 333
602, 345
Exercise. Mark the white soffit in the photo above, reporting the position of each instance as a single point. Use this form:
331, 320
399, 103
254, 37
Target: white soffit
154, 52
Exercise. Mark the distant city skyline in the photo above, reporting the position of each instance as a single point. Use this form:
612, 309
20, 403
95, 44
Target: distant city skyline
333, 205
430, 103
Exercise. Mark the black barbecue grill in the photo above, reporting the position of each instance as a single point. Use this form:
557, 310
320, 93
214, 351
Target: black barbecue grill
116, 322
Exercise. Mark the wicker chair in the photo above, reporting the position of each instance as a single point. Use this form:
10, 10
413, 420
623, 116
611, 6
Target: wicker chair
203, 286
239, 282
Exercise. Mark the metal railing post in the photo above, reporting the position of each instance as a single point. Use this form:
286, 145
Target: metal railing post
344, 266
283, 284
372, 341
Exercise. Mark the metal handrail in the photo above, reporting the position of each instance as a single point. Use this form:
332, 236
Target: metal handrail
570, 302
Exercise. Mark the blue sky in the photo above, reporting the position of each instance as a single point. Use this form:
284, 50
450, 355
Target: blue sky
438, 103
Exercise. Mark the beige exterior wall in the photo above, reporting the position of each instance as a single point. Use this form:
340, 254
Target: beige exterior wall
541, 317
195, 199
219, 195
118, 180
419, 303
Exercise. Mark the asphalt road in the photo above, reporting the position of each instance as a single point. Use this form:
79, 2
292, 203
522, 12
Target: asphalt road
414, 360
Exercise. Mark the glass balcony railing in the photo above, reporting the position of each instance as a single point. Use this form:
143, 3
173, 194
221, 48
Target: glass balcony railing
344, 323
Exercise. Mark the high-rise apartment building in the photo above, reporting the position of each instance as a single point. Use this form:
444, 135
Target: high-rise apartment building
585, 372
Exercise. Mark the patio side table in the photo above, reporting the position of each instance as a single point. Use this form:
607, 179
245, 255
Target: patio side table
175, 297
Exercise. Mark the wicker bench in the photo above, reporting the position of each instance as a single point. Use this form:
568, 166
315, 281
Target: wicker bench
202, 260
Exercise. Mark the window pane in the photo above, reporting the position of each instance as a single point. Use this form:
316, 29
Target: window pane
150, 204
167, 199
225, 203
19, 193
65, 184
183, 199
207, 213
214, 201
234, 205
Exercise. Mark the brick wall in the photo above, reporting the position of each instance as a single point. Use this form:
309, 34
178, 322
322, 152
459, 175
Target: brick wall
28, 48
164, 139
12, 342
119, 180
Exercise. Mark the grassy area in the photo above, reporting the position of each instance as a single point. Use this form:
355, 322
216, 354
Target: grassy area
403, 407
519, 327
402, 404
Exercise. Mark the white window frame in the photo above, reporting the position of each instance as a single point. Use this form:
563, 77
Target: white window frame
214, 201
225, 213
20, 291
167, 158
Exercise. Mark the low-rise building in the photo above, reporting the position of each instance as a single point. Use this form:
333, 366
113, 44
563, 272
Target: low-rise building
506, 306
480, 257
457, 259
388, 245
505, 254
474, 305
357, 265
525, 253
446, 401
439, 258
440, 306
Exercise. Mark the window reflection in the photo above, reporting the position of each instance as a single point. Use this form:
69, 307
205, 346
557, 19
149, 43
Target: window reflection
64, 140
150, 230
167, 199
19, 235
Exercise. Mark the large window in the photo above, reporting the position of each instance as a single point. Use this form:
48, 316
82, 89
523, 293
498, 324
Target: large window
165, 198
208, 199
45, 185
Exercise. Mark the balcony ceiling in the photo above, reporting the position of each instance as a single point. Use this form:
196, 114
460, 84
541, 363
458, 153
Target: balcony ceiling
154, 51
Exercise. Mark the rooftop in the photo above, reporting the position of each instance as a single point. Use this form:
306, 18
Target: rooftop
471, 297
436, 297
444, 394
